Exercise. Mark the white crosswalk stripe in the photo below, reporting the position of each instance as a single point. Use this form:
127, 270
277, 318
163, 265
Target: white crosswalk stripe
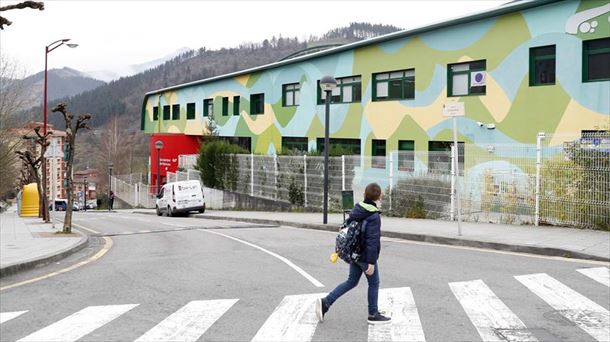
190, 322
583, 312
399, 304
599, 274
7, 316
294, 319
491, 317
79, 324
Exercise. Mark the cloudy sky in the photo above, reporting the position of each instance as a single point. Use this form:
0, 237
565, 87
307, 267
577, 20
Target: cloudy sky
112, 34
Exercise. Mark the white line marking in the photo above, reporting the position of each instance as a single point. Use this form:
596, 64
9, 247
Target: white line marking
405, 326
492, 318
144, 231
190, 322
313, 280
79, 324
599, 274
583, 312
7, 316
294, 319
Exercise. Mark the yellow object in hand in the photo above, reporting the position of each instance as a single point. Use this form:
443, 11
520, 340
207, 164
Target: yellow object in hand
334, 257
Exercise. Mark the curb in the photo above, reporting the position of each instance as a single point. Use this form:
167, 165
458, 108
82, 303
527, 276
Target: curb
49, 258
547, 251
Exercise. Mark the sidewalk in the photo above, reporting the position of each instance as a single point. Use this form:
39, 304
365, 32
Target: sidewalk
27, 242
544, 240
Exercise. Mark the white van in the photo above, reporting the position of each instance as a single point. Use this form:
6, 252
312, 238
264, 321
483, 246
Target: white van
180, 197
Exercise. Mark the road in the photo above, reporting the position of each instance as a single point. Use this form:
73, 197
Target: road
187, 279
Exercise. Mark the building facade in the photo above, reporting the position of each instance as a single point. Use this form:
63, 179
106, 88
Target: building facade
523, 68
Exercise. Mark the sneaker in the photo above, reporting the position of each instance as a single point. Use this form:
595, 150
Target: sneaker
321, 309
378, 318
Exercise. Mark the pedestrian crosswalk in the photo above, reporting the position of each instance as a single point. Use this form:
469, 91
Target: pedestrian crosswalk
294, 318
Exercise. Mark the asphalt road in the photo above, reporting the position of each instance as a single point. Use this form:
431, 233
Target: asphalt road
187, 278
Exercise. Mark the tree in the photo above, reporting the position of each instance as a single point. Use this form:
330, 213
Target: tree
32, 162
71, 132
22, 5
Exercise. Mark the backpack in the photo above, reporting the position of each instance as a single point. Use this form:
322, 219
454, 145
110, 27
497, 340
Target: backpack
347, 244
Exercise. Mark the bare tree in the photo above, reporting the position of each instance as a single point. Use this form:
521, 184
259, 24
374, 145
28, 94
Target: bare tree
26, 4
31, 163
71, 132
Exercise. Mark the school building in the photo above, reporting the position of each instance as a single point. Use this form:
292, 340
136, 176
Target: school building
522, 68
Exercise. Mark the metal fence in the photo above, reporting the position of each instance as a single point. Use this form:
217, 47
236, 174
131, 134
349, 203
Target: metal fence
561, 180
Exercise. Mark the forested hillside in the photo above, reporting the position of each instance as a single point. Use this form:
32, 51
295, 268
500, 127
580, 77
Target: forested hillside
123, 98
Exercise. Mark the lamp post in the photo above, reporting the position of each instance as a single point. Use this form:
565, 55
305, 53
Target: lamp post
85, 193
110, 166
327, 84
158, 146
47, 50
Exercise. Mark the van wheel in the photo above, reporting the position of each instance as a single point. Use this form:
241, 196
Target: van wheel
170, 213
158, 211
201, 211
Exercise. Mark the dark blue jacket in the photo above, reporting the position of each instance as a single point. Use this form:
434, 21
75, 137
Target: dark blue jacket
370, 243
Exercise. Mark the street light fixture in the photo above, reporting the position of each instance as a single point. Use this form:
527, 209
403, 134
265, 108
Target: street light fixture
327, 84
158, 146
110, 166
47, 50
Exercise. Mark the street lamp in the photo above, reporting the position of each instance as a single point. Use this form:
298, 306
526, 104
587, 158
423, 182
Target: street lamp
47, 50
110, 166
158, 146
327, 84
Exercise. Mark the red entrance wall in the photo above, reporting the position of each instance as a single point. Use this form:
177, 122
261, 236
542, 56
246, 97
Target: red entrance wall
173, 146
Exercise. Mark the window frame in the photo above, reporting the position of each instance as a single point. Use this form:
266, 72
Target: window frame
341, 85
354, 144
295, 143
225, 106
402, 161
155, 113
167, 112
190, 111
207, 105
451, 73
286, 91
259, 99
176, 111
376, 161
403, 79
586, 52
534, 59
236, 101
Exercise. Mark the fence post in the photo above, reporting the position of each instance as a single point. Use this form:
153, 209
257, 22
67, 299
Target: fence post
539, 138
135, 195
305, 178
452, 183
275, 174
251, 174
343, 172
391, 177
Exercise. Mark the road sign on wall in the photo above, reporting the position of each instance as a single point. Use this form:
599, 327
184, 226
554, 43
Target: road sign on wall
451, 109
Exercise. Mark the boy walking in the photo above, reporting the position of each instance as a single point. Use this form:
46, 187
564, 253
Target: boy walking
370, 245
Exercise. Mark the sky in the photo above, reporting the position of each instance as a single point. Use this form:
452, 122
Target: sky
114, 34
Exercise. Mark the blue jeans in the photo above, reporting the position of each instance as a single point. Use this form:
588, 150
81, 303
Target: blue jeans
355, 271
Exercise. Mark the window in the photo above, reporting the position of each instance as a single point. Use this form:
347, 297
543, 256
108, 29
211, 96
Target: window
176, 112
466, 79
190, 111
542, 65
295, 144
166, 112
596, 60
291, 94
225, 106
348, 90
257, 104
439, 157
155, 113
378, 154
208, 107
339, 146
244, 142
235, 105
406, 155
396, 85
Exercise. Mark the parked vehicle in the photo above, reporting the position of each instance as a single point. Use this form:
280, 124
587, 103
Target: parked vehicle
61, 205
180, 197
91, 204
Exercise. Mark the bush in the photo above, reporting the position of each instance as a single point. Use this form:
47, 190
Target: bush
219, 165
295, 193
419, 198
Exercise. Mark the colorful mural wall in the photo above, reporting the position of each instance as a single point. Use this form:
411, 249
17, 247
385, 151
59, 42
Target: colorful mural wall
517, 110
